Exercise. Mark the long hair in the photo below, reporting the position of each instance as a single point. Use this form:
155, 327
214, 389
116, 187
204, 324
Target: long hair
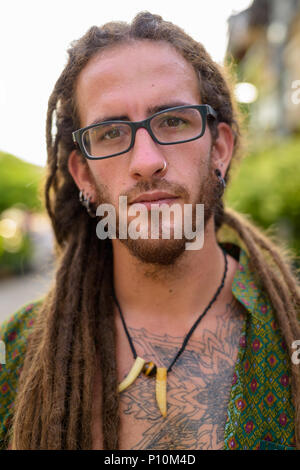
74, 327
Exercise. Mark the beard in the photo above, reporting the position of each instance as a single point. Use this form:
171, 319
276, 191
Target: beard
165, 252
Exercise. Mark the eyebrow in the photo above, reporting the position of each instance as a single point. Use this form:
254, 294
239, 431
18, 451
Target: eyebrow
150, 111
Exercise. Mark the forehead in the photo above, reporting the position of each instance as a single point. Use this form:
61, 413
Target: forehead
130, 78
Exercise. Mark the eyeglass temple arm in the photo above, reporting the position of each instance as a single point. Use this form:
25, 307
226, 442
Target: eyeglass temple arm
211, 111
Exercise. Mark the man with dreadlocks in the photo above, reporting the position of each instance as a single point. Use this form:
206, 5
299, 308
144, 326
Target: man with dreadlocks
141, 343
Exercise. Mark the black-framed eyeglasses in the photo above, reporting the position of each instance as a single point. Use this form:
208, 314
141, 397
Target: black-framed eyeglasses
168, 127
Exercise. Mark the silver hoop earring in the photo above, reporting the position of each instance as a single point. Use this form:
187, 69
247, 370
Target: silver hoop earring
85, 201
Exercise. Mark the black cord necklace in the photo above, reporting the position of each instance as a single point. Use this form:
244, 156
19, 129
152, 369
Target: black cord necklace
149, 368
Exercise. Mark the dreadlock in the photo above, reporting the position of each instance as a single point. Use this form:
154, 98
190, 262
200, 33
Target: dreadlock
74, 327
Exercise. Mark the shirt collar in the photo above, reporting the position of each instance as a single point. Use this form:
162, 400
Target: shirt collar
244, 286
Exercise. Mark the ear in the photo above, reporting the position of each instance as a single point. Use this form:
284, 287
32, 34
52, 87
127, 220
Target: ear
223, 148
80, 172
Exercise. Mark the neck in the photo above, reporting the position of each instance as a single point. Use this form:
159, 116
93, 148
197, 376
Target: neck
148, 293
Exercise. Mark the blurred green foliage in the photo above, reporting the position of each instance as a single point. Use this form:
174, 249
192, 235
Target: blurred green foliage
266, 185
19, 188
19, 183
18, 261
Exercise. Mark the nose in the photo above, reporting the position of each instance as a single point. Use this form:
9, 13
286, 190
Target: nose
147, 159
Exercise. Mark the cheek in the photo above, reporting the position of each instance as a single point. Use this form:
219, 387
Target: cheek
107, 177
99, 170
192, 162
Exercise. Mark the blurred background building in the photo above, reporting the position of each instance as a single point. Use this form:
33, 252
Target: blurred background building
264, 43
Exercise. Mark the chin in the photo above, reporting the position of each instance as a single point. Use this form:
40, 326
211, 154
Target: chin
158, 252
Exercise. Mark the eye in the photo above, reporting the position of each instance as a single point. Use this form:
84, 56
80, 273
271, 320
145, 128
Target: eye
111, 134
173, 122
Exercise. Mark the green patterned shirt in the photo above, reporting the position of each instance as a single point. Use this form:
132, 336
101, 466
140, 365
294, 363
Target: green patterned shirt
260, 412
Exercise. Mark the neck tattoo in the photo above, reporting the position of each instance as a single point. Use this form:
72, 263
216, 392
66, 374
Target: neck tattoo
149, 368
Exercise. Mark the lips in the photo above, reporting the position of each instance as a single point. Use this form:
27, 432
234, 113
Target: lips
154, 197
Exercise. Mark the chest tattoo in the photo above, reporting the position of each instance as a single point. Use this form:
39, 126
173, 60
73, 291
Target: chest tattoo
198, 387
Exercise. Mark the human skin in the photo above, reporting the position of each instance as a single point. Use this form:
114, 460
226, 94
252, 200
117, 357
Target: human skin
128, 81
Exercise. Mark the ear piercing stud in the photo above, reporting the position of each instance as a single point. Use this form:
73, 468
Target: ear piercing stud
220, 177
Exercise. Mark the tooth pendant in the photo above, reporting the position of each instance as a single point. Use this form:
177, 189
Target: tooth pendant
149, 369
161, 390
134, 372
